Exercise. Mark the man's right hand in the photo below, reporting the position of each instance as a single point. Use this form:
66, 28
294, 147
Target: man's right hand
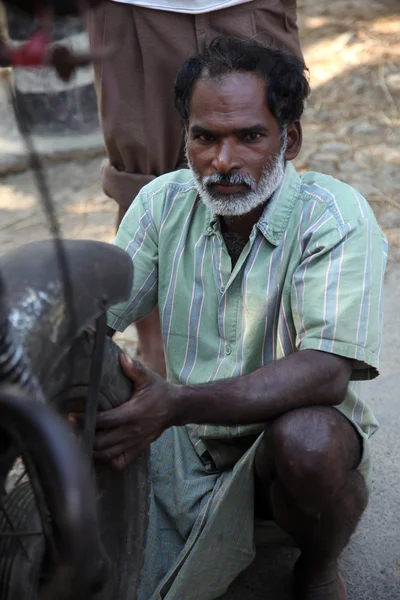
124, 432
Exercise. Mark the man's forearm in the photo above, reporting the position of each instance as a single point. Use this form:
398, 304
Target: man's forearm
306, 378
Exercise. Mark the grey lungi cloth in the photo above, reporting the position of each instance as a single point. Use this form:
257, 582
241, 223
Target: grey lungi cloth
142, 132
202, 530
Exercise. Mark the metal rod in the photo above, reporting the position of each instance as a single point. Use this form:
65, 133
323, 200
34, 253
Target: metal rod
89, 429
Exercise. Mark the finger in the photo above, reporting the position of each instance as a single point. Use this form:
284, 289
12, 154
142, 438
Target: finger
116, 417
75, 419
122, 454
124, 460
76, 430
116, 451
134, 370
107, 419
112, 437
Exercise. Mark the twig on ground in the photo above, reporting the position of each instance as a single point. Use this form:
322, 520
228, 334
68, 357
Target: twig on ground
385, 199
385, 89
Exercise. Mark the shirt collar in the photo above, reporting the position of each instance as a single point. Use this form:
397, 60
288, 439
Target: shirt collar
275, 217
211, 222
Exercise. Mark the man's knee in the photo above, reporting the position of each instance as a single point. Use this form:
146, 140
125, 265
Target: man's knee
314, 451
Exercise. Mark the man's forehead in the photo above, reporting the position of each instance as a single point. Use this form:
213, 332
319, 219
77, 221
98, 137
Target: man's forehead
231, 96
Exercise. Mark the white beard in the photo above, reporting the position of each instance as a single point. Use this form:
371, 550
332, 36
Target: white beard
234, 205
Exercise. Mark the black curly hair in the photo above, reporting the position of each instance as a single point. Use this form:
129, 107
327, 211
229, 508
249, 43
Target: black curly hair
286, 76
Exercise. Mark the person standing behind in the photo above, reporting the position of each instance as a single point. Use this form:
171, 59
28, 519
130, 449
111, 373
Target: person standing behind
142, 132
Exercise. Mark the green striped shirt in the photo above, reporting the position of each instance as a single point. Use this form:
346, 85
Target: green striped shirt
310, 277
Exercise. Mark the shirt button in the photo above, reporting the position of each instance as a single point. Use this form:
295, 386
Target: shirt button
222, 289
209, 230
228, 349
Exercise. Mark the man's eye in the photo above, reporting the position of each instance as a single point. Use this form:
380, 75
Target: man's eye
205, 137
252, 137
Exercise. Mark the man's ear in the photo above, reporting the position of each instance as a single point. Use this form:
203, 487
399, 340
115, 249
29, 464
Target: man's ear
294, 140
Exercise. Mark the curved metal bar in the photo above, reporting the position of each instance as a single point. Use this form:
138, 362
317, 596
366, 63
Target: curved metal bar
64, 477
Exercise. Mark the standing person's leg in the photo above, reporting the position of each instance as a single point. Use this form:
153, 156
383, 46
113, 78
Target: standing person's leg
135, 93
271, 22
142, 132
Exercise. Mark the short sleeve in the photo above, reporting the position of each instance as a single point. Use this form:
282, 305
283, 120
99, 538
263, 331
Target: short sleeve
138, 236
337, 294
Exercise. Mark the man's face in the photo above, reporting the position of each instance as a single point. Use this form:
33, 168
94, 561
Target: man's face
234, 146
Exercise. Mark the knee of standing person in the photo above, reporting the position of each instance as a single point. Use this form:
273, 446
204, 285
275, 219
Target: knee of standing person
311, 456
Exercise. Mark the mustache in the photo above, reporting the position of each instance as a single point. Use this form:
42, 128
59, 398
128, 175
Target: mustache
230, 179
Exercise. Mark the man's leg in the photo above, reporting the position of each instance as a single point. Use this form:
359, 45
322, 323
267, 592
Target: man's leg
271, 23
306, 480
135, 89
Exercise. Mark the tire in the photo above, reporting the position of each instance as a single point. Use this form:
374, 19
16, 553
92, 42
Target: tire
123, 503
100, 276
122, 497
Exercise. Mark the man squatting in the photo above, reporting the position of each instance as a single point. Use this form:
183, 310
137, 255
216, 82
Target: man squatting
269, 288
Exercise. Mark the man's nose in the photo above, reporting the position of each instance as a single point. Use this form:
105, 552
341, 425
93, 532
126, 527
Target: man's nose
226, 157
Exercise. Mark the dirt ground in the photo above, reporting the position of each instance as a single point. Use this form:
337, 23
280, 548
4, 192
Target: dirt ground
351, 128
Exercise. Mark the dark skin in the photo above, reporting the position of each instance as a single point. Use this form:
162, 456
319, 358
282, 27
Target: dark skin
240, 136
305, 467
